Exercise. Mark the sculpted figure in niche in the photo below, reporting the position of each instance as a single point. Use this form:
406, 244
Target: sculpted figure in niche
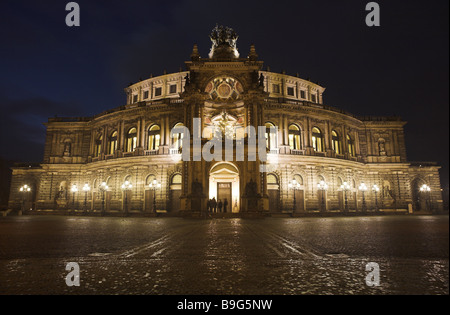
67, 148
381, 147
62, 192
387, 192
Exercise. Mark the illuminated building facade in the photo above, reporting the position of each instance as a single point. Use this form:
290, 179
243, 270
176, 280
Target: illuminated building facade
319, 158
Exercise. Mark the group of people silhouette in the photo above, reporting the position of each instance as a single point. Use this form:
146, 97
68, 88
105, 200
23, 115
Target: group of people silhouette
214, 206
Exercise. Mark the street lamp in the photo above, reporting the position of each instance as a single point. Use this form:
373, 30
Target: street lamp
153, 186
363, 189
345, 187
322, 187
295, 186
426, 190
375, 190
125, 188
74, 189
86, 189
103, 187
24, 190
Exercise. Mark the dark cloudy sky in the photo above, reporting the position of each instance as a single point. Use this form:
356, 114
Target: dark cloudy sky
400, 68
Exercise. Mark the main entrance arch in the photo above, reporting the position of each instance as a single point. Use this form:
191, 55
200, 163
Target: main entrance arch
224, 184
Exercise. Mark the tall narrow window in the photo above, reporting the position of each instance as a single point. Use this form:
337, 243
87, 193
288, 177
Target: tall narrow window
98, 146
112, 143
131, 140
336, 142
317, 140
271, 136
294, 137
153, 137
351, 146
177, 139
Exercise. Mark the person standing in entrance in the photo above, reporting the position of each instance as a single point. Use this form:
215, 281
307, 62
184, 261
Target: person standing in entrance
213, 205
208, 205
225, 204
220, 205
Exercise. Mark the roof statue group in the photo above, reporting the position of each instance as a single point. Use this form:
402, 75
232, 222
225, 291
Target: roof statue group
224, 43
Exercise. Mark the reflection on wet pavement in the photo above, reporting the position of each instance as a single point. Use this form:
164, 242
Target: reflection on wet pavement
224, 256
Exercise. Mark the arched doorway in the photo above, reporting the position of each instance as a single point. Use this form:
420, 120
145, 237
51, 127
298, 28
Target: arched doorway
149, 195
175, 193
299, 194
322, 197
224, 184
418, 197
29, 197
273, 190
341, 193
127, 194
109, 193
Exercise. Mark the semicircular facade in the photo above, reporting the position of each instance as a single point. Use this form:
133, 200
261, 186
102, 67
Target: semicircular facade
226, 129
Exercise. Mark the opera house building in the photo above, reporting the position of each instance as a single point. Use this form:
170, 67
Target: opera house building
276, 147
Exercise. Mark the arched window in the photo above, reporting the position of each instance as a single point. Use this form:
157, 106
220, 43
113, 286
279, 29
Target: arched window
336, 142
98, 146
294, 137
299, 179
272, 179
154, 137
110, 183
150, 178
176, 179
317, 140
127, 178
351, 146
131, 140
271, 136
112, 143
177, 139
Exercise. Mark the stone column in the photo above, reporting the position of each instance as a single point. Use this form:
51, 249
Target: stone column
286, 131
309, 150
91, 147
328, 145
122, 136
167, 132
162, 124
357, 147
139, 135
344, 142
142, 143
105, 140
284, 135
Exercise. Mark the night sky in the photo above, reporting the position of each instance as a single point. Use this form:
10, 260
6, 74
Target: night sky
400, 68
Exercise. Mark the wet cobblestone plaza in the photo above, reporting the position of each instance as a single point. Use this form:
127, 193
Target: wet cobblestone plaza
272, 256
